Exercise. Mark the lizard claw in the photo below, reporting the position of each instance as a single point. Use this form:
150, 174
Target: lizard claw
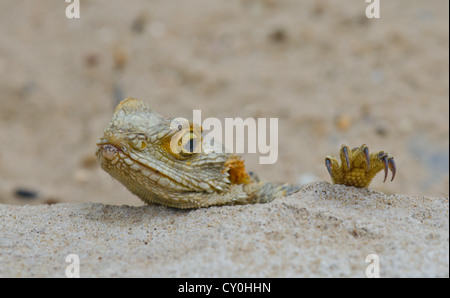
345, 153
366, 155
392, 166
386, 166
358, 166
389, 164
328, 165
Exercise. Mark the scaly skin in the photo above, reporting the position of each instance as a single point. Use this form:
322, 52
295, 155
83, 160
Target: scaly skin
136, 150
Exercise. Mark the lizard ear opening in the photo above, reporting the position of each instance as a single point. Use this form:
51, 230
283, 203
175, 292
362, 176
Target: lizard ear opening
236, 169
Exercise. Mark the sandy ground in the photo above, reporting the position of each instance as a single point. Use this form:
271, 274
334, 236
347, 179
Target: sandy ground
329, 74
322, 231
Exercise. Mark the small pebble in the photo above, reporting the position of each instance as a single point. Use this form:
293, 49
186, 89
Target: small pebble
278, 35
89, 161
23, 193
381, 131
51, 201
139, 23
343, 122
318, 8
120, 58
91, 59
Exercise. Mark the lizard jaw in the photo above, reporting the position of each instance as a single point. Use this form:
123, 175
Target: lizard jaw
113, 158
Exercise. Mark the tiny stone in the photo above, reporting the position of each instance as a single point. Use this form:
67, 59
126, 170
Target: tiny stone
120, 58
278, 35
89, 161
91, 59
139, 23
343, 122
51, 201
23, 193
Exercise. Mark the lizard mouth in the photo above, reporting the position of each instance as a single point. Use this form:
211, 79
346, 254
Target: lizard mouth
108, 151
112, 157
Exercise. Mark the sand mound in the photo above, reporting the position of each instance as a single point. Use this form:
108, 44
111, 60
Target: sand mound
321, 231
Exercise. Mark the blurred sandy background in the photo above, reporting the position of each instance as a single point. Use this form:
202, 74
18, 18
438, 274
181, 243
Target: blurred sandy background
328, 73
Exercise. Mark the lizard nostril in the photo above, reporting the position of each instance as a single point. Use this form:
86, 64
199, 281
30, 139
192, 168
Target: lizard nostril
109, 152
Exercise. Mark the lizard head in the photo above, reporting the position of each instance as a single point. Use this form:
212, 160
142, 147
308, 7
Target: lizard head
158, 158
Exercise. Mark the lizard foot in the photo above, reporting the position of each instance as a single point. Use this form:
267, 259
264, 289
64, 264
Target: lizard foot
358, 167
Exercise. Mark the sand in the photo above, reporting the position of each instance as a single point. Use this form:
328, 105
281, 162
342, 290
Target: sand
322, 231
330, 75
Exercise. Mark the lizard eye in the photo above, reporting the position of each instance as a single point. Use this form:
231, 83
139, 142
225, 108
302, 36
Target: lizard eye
190, 143
185, 143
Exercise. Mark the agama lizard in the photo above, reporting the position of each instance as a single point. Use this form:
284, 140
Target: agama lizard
135, 150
